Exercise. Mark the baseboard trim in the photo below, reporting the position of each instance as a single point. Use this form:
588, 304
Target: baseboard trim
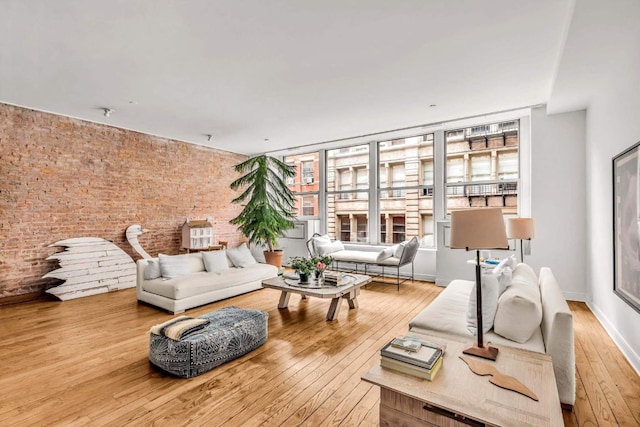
625, 348
16, 299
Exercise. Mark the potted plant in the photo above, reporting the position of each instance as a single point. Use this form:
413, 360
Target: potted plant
303, 266
269, 208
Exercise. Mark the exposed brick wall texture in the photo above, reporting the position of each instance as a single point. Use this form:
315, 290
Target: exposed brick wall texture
63, 178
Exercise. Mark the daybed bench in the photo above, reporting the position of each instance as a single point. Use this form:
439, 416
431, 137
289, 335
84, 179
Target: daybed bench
396, 256
179, 282
530, 313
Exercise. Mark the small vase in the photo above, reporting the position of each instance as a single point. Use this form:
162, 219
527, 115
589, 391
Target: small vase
303, 277
320, 276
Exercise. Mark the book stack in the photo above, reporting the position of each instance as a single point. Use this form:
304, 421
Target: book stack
334, 278
412, 356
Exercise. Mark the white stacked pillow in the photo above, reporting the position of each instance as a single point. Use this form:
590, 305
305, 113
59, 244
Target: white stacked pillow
172, 266
215, 261
241, 256
329, 248
519, 311
489, 288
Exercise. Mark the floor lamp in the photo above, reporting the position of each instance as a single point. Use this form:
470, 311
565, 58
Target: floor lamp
520, 228
475, 229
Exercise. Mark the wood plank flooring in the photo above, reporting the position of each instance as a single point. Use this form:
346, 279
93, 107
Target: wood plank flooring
84, 362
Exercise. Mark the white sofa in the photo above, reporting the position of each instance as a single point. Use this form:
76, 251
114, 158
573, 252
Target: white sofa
194, 281
447, 314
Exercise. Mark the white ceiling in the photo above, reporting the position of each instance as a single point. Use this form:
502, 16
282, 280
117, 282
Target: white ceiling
290, 71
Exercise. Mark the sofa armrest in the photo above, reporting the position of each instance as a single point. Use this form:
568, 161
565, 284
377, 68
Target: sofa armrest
141, 265
557, 331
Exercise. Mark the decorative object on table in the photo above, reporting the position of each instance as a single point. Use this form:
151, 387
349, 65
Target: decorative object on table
269, 208
626, 226
422, 361
322, 262
304, 267
479, 229
498, 378
90, 266
132, 233
522, 229
197, 234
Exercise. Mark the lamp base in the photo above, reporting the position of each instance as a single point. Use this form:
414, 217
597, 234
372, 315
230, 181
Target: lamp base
487, 352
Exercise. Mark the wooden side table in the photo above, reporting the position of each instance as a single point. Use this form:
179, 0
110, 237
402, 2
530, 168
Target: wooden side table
458, 397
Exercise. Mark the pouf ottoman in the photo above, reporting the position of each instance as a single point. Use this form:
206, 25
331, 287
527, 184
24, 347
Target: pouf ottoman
232, 332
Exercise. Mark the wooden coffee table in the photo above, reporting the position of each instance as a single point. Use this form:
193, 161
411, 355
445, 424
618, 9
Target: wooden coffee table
458, 397
349, 291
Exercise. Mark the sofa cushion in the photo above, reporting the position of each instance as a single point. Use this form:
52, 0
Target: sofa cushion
329, 248
152, 270
490, 288
524, 274
180, 265
319, 240
384, 254
215, 261
503, 274
519, 311
399, 249
241, 256
203, 282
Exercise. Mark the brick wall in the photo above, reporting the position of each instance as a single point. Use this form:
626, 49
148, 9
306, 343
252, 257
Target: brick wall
63, 178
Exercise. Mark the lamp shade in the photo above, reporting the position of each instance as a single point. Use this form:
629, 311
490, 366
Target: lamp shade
478, 229
520, 228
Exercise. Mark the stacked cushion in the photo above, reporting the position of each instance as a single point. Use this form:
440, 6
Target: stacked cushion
215, 261
519, 312
490, 293
241, 256
172, 266
329, 248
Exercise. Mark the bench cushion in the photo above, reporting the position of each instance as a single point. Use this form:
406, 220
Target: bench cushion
231, 333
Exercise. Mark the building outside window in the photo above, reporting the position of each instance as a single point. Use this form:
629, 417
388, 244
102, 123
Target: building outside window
482, 167
348, 193
406, 180
305, 184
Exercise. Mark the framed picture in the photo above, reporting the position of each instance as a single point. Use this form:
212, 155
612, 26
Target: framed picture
626, 226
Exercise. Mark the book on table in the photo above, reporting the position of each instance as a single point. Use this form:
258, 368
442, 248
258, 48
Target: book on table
425, 357
407, 368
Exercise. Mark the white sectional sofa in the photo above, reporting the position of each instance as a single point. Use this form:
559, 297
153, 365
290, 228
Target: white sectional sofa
180, 282
519, 320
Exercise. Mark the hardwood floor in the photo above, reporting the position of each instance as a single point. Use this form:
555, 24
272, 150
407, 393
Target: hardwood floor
84, 362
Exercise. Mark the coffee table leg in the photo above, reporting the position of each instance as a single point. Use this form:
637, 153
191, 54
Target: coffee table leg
352, 298
284, 299
334, 309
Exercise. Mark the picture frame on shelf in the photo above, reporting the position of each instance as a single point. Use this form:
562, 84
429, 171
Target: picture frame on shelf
626, 226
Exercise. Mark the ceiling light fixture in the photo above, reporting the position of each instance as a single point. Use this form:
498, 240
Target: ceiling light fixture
209, 137
107, 112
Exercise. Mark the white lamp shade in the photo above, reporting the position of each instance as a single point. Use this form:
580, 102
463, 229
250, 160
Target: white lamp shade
478, 229
520, 228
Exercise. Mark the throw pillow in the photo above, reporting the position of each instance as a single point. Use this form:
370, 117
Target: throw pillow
385, 254
524, 274
330, 248
318, 241
152, 271
215, 261
513, 262
399, 249
180, 265
519, 312
503, 273
241, 256
489, 287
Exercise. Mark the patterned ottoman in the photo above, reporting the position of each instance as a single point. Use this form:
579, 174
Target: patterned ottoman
232, 332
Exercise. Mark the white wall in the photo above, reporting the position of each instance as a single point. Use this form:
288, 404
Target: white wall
613, 125
558, 199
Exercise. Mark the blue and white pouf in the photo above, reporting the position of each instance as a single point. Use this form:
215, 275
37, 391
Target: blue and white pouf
231, 333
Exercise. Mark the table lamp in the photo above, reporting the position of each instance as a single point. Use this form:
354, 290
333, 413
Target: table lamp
520, 228
479, 229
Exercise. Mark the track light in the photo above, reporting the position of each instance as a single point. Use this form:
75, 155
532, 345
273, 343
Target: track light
107, 112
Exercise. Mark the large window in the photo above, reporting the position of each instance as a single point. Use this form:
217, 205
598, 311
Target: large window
305, 184
482, 167
410, 193
405, 172
348, 193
